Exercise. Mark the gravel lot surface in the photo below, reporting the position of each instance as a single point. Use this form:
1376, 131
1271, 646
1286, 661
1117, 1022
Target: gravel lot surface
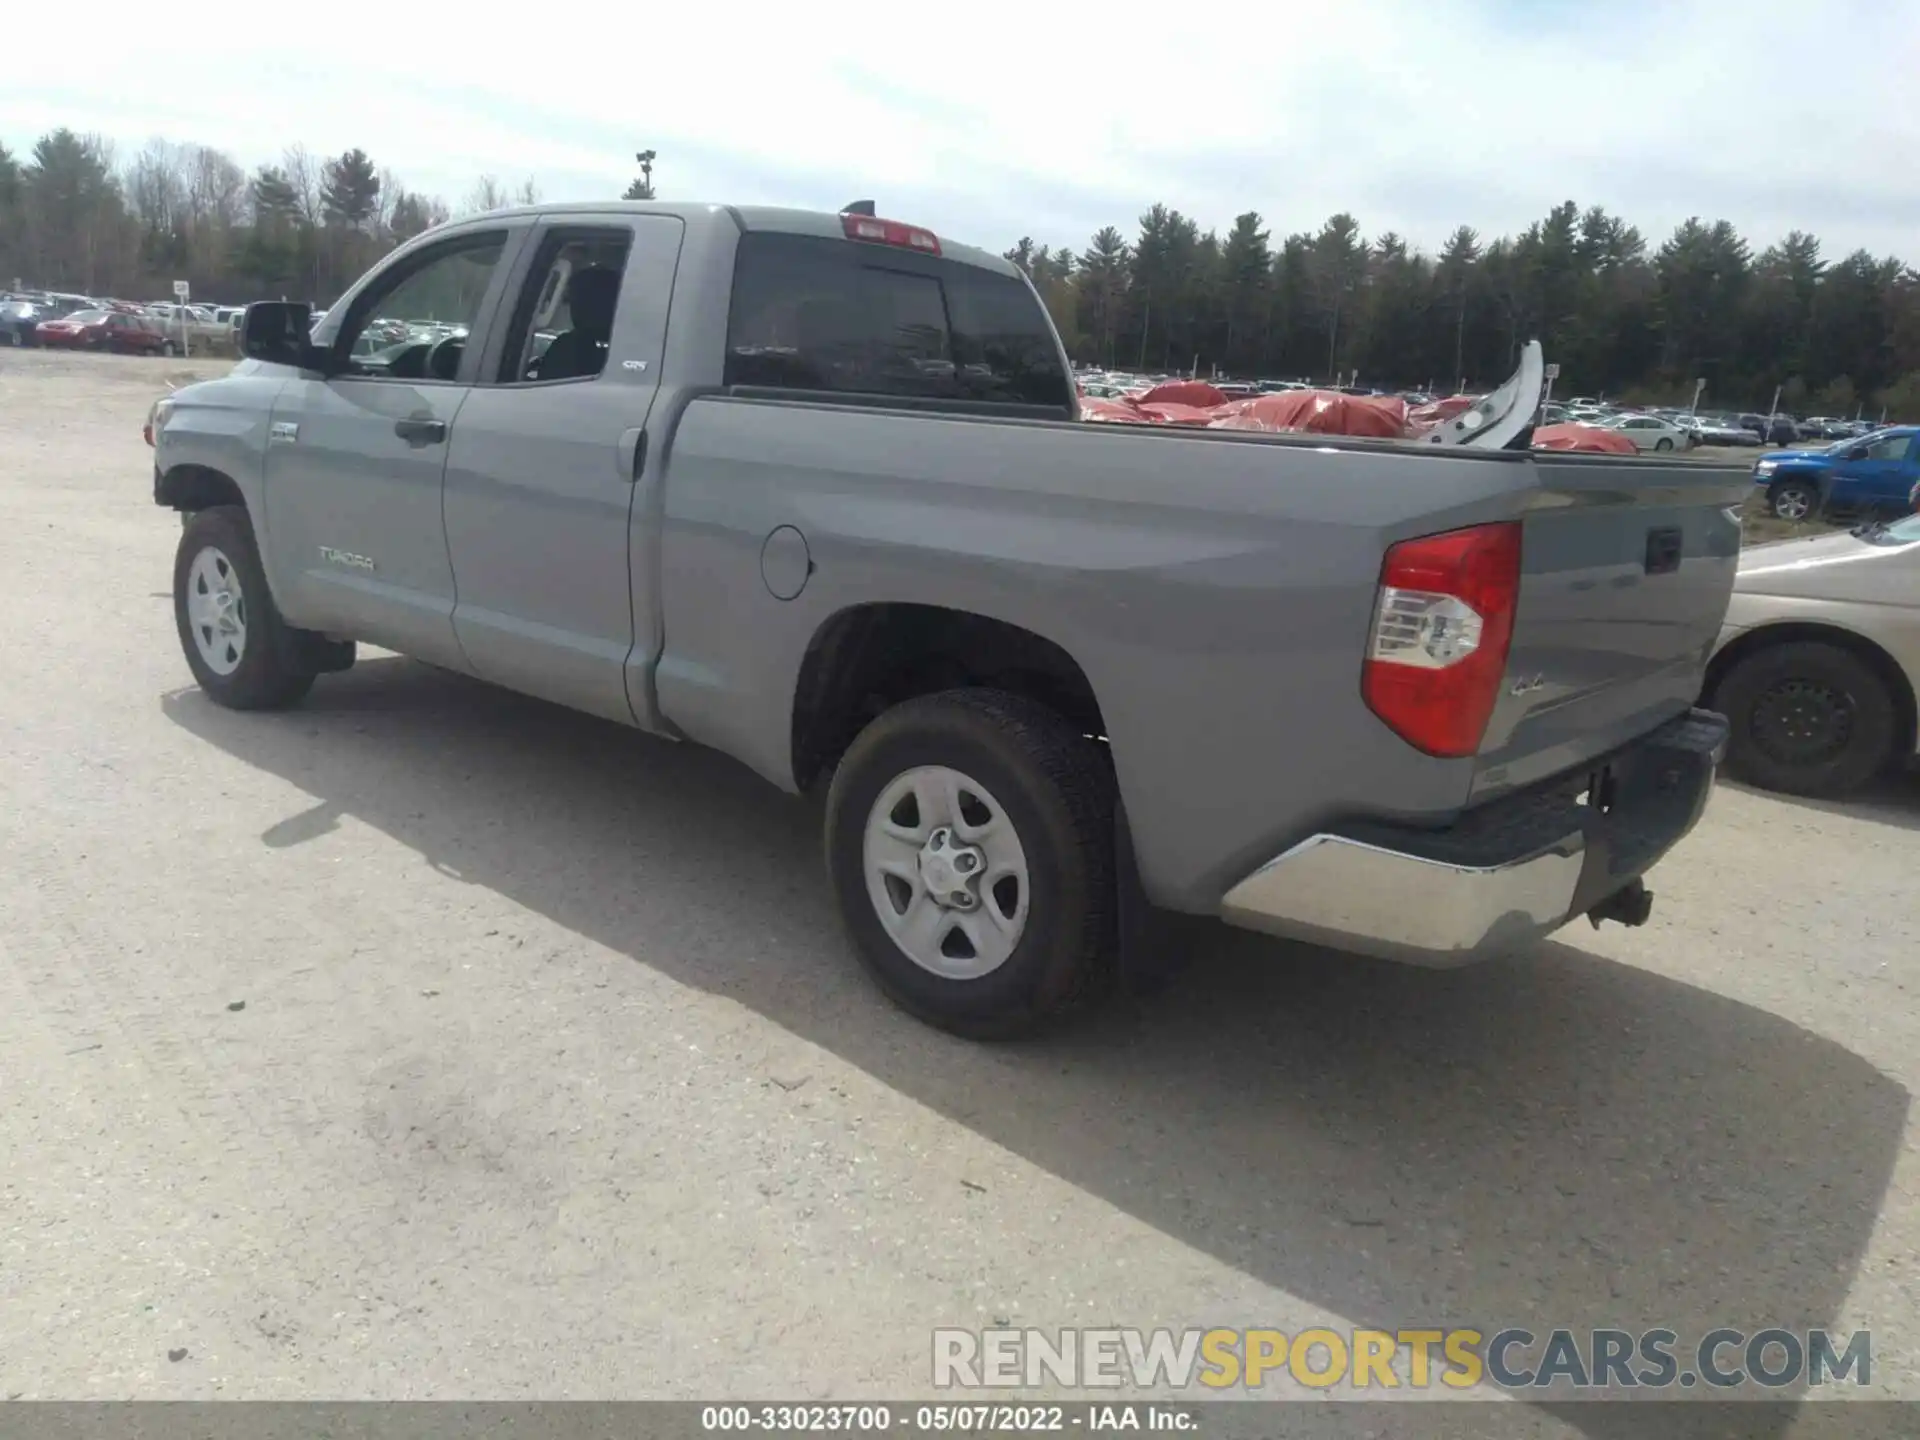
428, 1041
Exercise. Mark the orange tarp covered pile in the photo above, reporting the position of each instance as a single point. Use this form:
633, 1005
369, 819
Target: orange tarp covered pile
1197, 393
1312, 412
1590, 439
1319, 412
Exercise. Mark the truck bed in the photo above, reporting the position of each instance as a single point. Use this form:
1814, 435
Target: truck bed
1217, 588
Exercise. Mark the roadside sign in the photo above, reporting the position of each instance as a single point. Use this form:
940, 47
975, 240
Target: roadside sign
180, 294
1553, 372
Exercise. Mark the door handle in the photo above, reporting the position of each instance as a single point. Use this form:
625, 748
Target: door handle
421, 432
632, 453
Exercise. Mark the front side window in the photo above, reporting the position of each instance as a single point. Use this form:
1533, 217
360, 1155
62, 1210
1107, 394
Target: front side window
563, 320
1893, 447
421, 317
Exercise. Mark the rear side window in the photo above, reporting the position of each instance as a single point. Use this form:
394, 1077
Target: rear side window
823, 314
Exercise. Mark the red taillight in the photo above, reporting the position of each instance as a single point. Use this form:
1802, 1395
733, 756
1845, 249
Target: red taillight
890, 232
1441, 628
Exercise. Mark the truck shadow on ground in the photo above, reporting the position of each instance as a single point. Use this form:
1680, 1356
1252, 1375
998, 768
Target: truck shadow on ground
1893, 799
1564, 1141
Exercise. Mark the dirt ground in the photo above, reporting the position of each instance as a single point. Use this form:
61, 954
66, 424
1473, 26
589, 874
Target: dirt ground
428, 1041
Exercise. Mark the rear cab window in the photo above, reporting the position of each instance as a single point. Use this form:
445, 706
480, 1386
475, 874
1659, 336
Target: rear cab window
816, 314
563, 322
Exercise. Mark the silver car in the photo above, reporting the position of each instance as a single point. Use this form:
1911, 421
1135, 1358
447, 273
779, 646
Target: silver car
1819, 660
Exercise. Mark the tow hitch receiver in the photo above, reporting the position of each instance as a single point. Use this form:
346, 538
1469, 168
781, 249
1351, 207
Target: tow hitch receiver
1630, 905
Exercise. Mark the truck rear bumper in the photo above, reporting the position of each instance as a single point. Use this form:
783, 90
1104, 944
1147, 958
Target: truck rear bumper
1505, 874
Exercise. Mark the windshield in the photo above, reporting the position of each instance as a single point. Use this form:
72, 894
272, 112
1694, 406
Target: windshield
87, 317
1903, 531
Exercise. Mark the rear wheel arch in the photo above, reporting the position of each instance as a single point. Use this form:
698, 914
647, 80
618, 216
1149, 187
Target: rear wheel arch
865, 659
1766, 637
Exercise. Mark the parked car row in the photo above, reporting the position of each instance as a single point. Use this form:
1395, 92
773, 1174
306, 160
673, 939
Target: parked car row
41, 317
22, 315
1724, 428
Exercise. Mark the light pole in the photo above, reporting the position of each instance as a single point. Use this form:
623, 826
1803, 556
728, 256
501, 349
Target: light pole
646, 158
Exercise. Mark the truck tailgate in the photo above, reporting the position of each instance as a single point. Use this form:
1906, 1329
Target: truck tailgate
1626, 569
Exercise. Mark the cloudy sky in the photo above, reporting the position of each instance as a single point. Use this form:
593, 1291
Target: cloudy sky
1051, 120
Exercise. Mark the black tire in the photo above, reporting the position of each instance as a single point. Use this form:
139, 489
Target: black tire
1807, 495
269, 674
1808, 718
167, 349
1663, 443
1057, 788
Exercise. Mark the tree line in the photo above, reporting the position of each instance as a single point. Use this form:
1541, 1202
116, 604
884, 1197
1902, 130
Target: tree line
1619, 315
73, 219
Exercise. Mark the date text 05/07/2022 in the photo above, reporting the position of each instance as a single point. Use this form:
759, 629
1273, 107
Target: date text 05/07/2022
977, 1418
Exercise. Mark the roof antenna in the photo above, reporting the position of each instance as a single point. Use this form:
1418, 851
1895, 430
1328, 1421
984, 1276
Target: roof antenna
860, 207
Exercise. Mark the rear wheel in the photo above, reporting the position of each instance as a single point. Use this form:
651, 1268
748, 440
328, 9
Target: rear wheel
969, 839
167, 348
1792, 500
239, 649
1808, 718
1663, 443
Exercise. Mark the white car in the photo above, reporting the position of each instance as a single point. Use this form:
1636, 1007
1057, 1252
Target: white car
1819, 659
1650, 432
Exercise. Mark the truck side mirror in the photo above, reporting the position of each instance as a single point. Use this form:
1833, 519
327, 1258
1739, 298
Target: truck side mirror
277, 331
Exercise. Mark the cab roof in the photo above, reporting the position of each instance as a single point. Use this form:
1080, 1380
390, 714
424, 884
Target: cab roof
778, 219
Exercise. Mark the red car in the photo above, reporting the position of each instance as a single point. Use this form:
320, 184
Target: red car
106, 330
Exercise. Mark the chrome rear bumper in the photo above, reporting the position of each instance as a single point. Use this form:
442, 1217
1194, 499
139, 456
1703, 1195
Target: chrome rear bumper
1502, 876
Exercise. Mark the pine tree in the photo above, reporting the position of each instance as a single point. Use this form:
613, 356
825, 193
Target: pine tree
350, 190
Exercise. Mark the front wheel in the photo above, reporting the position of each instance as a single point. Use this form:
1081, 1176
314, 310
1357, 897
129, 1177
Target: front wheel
1792, 500
236, 644
1808, 718
970, 843
167, 349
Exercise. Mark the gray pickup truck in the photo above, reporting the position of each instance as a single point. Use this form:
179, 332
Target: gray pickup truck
811, 489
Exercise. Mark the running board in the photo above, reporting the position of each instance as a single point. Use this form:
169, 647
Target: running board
1503, 417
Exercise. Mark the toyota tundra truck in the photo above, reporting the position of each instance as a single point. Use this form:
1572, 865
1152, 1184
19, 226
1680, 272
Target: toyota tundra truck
811, 489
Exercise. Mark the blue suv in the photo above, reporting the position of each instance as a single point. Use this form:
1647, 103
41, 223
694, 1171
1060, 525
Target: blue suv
1872, 475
